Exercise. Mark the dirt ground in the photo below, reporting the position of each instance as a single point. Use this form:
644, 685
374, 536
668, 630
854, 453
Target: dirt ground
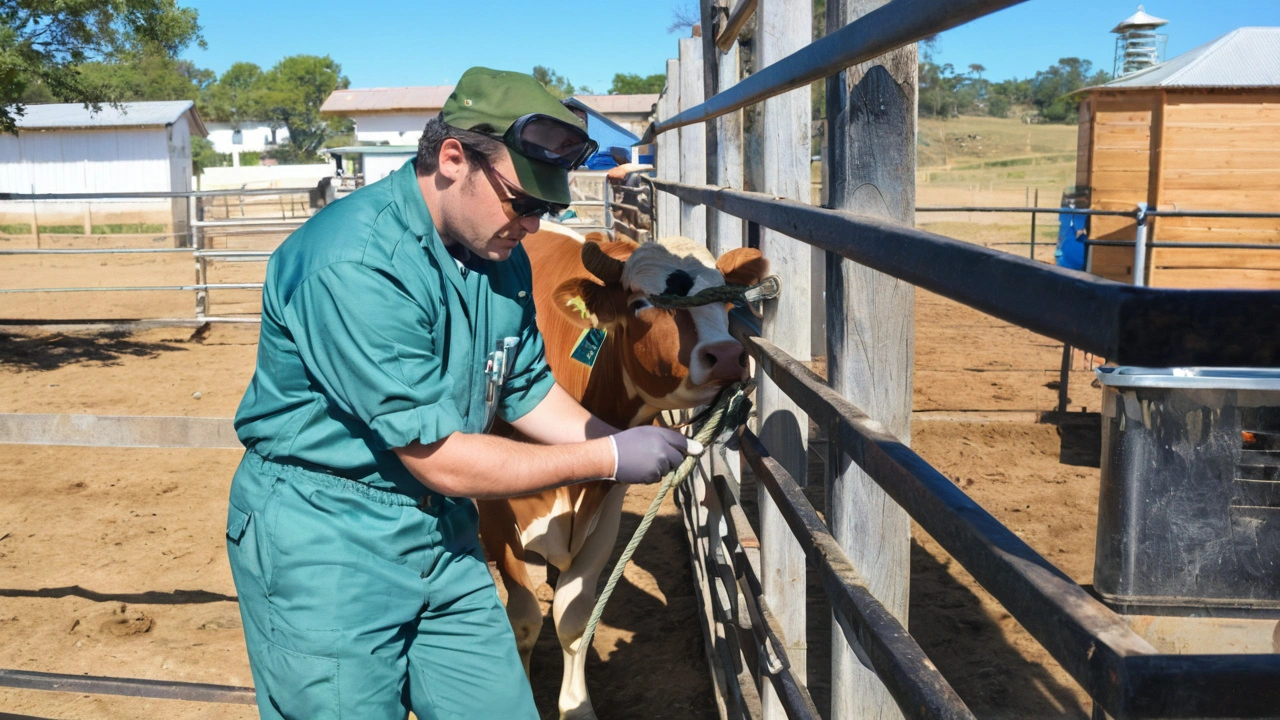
112, 560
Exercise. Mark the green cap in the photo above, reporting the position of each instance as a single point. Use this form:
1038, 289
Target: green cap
498, 98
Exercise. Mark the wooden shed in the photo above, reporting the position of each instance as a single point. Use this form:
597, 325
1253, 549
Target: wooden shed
1198, 132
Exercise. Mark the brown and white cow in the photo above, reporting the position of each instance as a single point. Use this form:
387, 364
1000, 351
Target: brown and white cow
651, 360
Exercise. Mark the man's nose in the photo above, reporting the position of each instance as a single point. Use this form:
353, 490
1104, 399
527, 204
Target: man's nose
530, 224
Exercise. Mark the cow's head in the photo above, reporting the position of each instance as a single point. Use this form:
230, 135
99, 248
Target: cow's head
673, 359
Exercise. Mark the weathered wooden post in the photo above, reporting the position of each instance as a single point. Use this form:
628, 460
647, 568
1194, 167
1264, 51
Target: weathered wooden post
871, 122
693, 140
725, 232
783, 27
668, 205
724, 159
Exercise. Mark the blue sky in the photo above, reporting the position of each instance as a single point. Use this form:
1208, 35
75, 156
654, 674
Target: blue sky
383, 43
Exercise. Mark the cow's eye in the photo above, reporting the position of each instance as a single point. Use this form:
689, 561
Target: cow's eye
640, 304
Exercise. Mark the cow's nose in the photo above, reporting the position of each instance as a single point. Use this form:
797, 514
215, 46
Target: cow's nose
725, 360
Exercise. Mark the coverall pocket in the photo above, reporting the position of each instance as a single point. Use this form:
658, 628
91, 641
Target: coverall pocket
301, 686
237, 522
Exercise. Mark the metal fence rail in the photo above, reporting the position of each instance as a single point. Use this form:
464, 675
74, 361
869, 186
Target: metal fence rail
1131, 325
879, 31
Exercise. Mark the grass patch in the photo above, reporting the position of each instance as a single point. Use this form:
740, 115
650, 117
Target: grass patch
15, 229
108, 229
127, 228
61, 229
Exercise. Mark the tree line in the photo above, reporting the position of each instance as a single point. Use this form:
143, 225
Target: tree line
102, 52
1045, 96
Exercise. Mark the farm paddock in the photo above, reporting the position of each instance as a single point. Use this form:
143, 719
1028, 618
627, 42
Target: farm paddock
157, 605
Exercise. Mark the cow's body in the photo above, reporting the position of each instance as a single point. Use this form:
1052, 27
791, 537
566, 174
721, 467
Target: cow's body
651, 360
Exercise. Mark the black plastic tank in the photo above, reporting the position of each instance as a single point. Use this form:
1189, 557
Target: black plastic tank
1189, 507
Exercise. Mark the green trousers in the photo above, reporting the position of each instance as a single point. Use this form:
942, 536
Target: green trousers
365, 603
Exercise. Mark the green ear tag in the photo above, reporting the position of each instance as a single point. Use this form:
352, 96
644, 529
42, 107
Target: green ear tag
588, 346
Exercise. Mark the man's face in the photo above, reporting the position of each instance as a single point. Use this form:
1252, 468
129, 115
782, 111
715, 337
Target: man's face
485, 222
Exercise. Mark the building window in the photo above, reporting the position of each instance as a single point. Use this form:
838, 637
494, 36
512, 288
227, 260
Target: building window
237, 137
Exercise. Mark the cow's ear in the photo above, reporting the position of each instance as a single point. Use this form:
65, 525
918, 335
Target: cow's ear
587, 303
743, 266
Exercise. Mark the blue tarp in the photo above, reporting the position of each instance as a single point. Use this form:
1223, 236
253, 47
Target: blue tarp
1071, 234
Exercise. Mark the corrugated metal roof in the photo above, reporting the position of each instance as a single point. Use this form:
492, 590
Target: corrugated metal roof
369, 100
1244, 57
619, 103
1139, 19
55, 116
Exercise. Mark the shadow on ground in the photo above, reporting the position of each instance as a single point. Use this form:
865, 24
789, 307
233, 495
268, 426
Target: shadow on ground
151, 597
50, 352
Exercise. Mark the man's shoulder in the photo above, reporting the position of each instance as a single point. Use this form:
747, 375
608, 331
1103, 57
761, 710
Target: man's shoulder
363, 228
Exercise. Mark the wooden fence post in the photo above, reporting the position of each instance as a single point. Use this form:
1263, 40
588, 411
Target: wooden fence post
783, 27
693, 140
668, 151
725, 232
871, 123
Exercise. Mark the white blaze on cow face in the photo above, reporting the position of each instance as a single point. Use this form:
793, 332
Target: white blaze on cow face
669, 359
682, 357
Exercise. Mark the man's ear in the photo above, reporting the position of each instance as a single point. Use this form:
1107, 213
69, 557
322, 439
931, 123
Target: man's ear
588, 304
743, 266
452, 161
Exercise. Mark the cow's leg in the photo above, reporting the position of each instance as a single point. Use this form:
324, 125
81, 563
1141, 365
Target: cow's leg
523, 609
521, 574
574, 600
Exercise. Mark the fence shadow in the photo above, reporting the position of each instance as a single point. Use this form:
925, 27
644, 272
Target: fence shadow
973, 652
657, 668
51, 352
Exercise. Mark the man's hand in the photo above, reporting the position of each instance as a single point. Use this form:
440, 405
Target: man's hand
645, 454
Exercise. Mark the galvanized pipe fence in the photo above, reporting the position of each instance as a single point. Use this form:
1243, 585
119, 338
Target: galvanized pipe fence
747, 581
199, 230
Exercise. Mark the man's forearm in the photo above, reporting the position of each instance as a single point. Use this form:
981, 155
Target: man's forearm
559, 419
485, 466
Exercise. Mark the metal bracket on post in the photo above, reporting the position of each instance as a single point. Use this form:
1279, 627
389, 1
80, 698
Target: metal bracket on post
1140, 247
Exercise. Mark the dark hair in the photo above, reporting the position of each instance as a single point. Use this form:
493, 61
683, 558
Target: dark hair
475, 145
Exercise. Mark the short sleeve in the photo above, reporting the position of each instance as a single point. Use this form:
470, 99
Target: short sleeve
530, 378
371, 349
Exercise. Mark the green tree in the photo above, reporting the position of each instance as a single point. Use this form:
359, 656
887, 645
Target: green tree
236, 96
555, 83
630, 84
149, 75
44, 44
1050, 88
292, 93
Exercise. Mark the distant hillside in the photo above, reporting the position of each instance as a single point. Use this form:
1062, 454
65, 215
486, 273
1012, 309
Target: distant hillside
964, 141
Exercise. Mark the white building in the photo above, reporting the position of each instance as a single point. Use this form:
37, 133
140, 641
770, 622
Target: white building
388, 116
395, 116
246, 136
633, 112
66, 148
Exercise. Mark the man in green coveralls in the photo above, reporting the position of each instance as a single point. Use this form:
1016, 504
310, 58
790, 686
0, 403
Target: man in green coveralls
396, 324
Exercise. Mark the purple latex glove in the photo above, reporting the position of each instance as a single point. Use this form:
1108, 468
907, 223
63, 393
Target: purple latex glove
644, 454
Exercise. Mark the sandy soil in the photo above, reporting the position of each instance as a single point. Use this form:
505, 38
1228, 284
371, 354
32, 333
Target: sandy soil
113, 563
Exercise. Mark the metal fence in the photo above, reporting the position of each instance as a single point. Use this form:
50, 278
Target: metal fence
1141, 215
240, 216
751, 577
258, 219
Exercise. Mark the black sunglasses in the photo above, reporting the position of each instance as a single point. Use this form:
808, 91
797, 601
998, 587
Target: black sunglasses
522, 204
